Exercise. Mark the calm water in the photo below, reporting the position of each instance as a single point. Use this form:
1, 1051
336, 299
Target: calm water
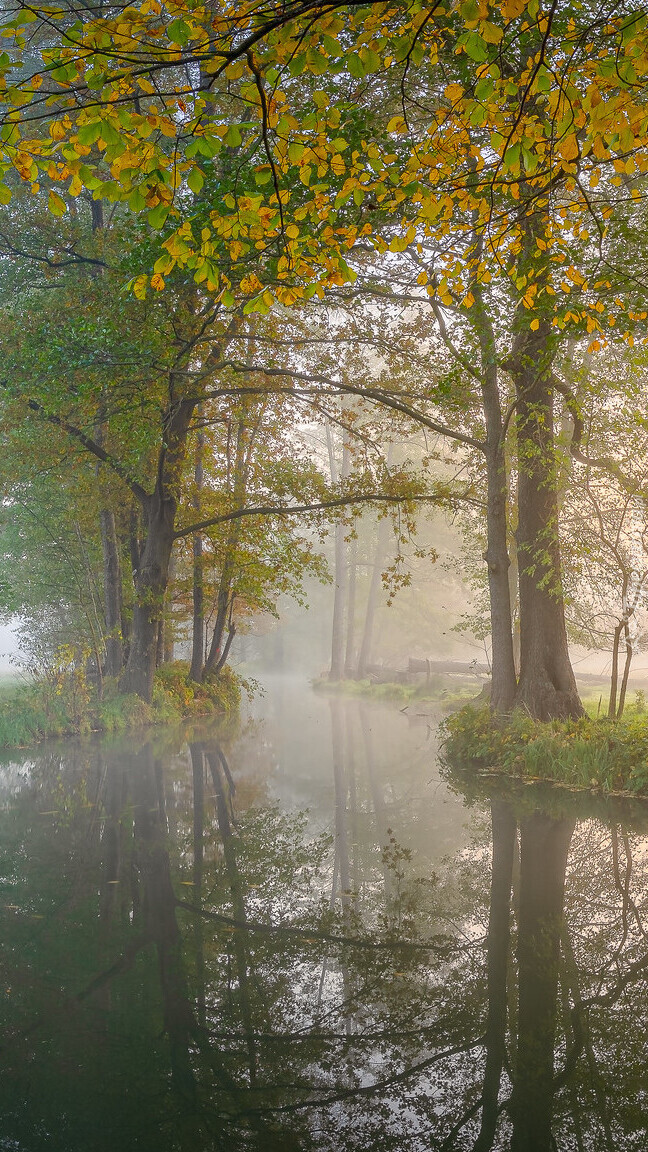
296, 936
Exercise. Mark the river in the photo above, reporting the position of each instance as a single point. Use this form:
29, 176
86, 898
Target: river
293, 932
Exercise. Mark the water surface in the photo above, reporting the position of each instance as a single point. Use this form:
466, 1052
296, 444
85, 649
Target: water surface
293, 934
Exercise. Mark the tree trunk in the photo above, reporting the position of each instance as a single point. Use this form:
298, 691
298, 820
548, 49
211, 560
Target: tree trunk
503, 684
336, 671
614, 677
152, 575
364, 655
198, 629
112, 585
223, 606
150, 586
349, 658
544, 849
547, 686
504, 680
159, 646
626, 670
224, 596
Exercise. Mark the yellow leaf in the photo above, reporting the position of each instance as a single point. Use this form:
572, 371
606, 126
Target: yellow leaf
490, 32
56, 205
292, 231
157, 282
568, 148
535, 324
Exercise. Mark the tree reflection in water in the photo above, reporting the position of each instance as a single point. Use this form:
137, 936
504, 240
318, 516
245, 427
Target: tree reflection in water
186, 967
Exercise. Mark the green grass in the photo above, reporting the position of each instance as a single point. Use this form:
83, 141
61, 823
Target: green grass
436, 689
589, 753
67, 706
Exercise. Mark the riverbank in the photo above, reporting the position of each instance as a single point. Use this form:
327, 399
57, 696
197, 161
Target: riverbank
436, 690
66, 704
603, 755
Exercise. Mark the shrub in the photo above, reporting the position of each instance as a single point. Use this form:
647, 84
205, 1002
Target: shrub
607, 755
66, 704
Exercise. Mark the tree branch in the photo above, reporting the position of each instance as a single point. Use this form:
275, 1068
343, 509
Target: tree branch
91, 445
296, 509
379, 395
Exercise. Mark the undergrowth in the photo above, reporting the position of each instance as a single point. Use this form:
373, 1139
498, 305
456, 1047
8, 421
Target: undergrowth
595, 753
67, 705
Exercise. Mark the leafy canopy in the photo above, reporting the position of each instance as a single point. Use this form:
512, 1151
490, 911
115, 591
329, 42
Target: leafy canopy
316, 125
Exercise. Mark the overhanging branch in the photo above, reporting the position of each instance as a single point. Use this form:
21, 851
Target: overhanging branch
321, 506
378, 395
91, 446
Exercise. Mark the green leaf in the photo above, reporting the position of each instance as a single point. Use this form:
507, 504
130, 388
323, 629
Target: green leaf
89, 133
137, 200
178, 32
109, 133
356, 66
157, 216
233, 136
475, 47
95, 79
209, 146
295, 152
195, 180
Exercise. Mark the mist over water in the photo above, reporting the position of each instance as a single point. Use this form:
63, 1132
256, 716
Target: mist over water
284, 933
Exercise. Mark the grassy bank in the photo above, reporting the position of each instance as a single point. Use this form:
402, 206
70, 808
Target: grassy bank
436, 690
604, 755
67, 705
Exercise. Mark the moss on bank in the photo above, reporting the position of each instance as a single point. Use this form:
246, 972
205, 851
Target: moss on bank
604, 755
68, 706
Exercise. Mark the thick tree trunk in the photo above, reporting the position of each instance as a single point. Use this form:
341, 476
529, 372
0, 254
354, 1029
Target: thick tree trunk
547, 686
544, 849
112, 584
152, 575
150, 586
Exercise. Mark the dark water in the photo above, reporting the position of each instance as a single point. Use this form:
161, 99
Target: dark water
296, 936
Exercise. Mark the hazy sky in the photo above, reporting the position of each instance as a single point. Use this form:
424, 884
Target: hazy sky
8, 647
